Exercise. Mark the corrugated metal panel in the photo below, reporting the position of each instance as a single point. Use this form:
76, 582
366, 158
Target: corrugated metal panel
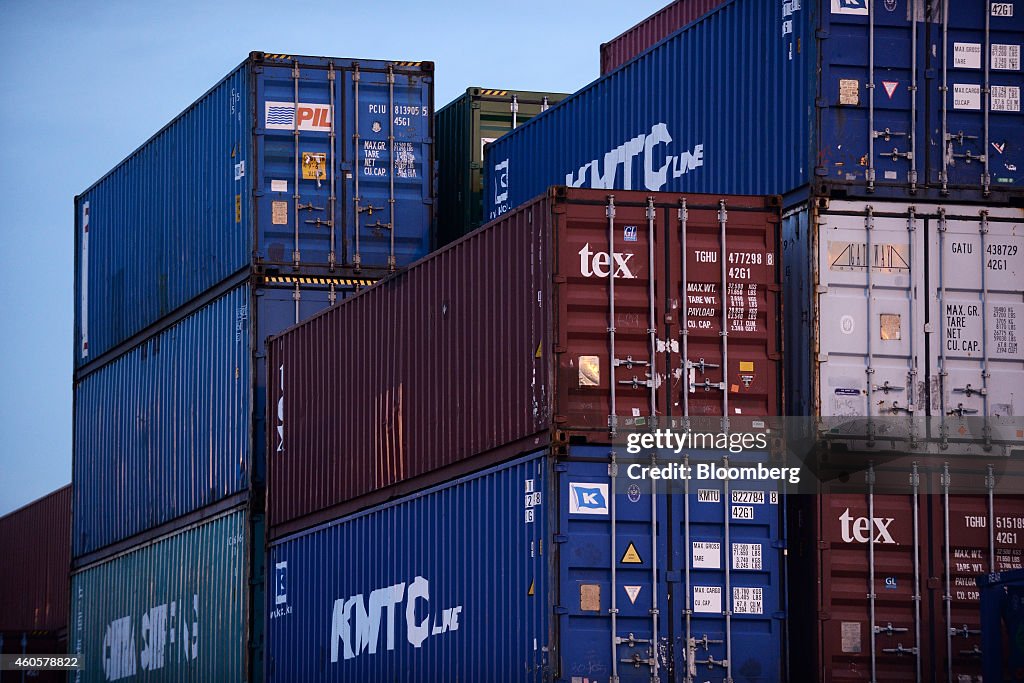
789, 89
464, 126
173, 610
177, 424
530, 294
937, 336
345, 607
875, 550
472, 564
34, 566
218, 189
663, 23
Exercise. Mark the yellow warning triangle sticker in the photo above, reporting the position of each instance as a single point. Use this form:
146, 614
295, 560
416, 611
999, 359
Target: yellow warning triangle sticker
631, 556
531, 591
632, 592
539, 345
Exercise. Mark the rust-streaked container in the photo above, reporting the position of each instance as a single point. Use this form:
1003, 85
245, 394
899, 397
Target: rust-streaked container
35, 560
882, 552
504, 339
652, 30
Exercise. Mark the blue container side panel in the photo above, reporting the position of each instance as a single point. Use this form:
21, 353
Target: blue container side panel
163, 430
447, 583
366, 161
677, 118
753, 557
162, 226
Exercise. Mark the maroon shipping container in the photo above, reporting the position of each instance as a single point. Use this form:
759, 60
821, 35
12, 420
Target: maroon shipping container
35, 556
652, 30
885, 555
502, 340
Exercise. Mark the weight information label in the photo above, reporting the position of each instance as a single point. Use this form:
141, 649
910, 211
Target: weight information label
707, 555
747, 600
707, 599
746, 556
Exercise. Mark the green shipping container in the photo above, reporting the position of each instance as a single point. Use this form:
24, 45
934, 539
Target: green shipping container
462, 128
175, 609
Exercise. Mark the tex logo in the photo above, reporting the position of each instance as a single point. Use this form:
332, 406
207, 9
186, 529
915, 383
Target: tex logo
850, 7
281, 606
315, 117
864, 530
588, 499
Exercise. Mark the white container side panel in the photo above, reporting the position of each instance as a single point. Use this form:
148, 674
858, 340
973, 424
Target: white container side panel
869, 316
976, 278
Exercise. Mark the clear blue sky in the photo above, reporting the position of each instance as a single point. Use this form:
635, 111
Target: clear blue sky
83, 84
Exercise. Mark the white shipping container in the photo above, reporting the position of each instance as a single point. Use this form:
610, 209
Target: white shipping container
901, 309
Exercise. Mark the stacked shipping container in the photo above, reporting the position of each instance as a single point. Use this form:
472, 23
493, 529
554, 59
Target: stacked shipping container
35, 561
892, 130
516, 320
291, 184
464, 126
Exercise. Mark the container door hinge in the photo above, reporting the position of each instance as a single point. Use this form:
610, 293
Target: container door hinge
558, 609
560, 538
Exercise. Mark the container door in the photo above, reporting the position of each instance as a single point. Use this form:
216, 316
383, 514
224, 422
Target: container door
611, 601
872, 118
873, 624
297, 189
975, 274
724, 292
869, 318
610, 254
387, 161
727, 611
977, 514
973, 84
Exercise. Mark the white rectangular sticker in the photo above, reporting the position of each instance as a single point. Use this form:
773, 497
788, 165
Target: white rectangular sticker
747, 600
1002, 9
707, 555
281, 116
84, 331
707, 599
1005, 98
967, 55
967, 96
749, 497
278, 185
773, 498
1005, 57
709, 496
746, 556
742, 512
588, 499
483, 143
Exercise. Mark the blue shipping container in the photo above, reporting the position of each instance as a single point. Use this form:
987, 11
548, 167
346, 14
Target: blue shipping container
259, 172
838, 97
177, 423
510, 575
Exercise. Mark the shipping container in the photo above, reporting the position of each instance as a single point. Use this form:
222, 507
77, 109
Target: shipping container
259, 173
34, 566
516, 332
893, 554
904, 310
840, 99
541, 569
652, 30
474, 119
176, 424
174, 609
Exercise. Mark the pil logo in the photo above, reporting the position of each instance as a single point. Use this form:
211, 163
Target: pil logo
313, 117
